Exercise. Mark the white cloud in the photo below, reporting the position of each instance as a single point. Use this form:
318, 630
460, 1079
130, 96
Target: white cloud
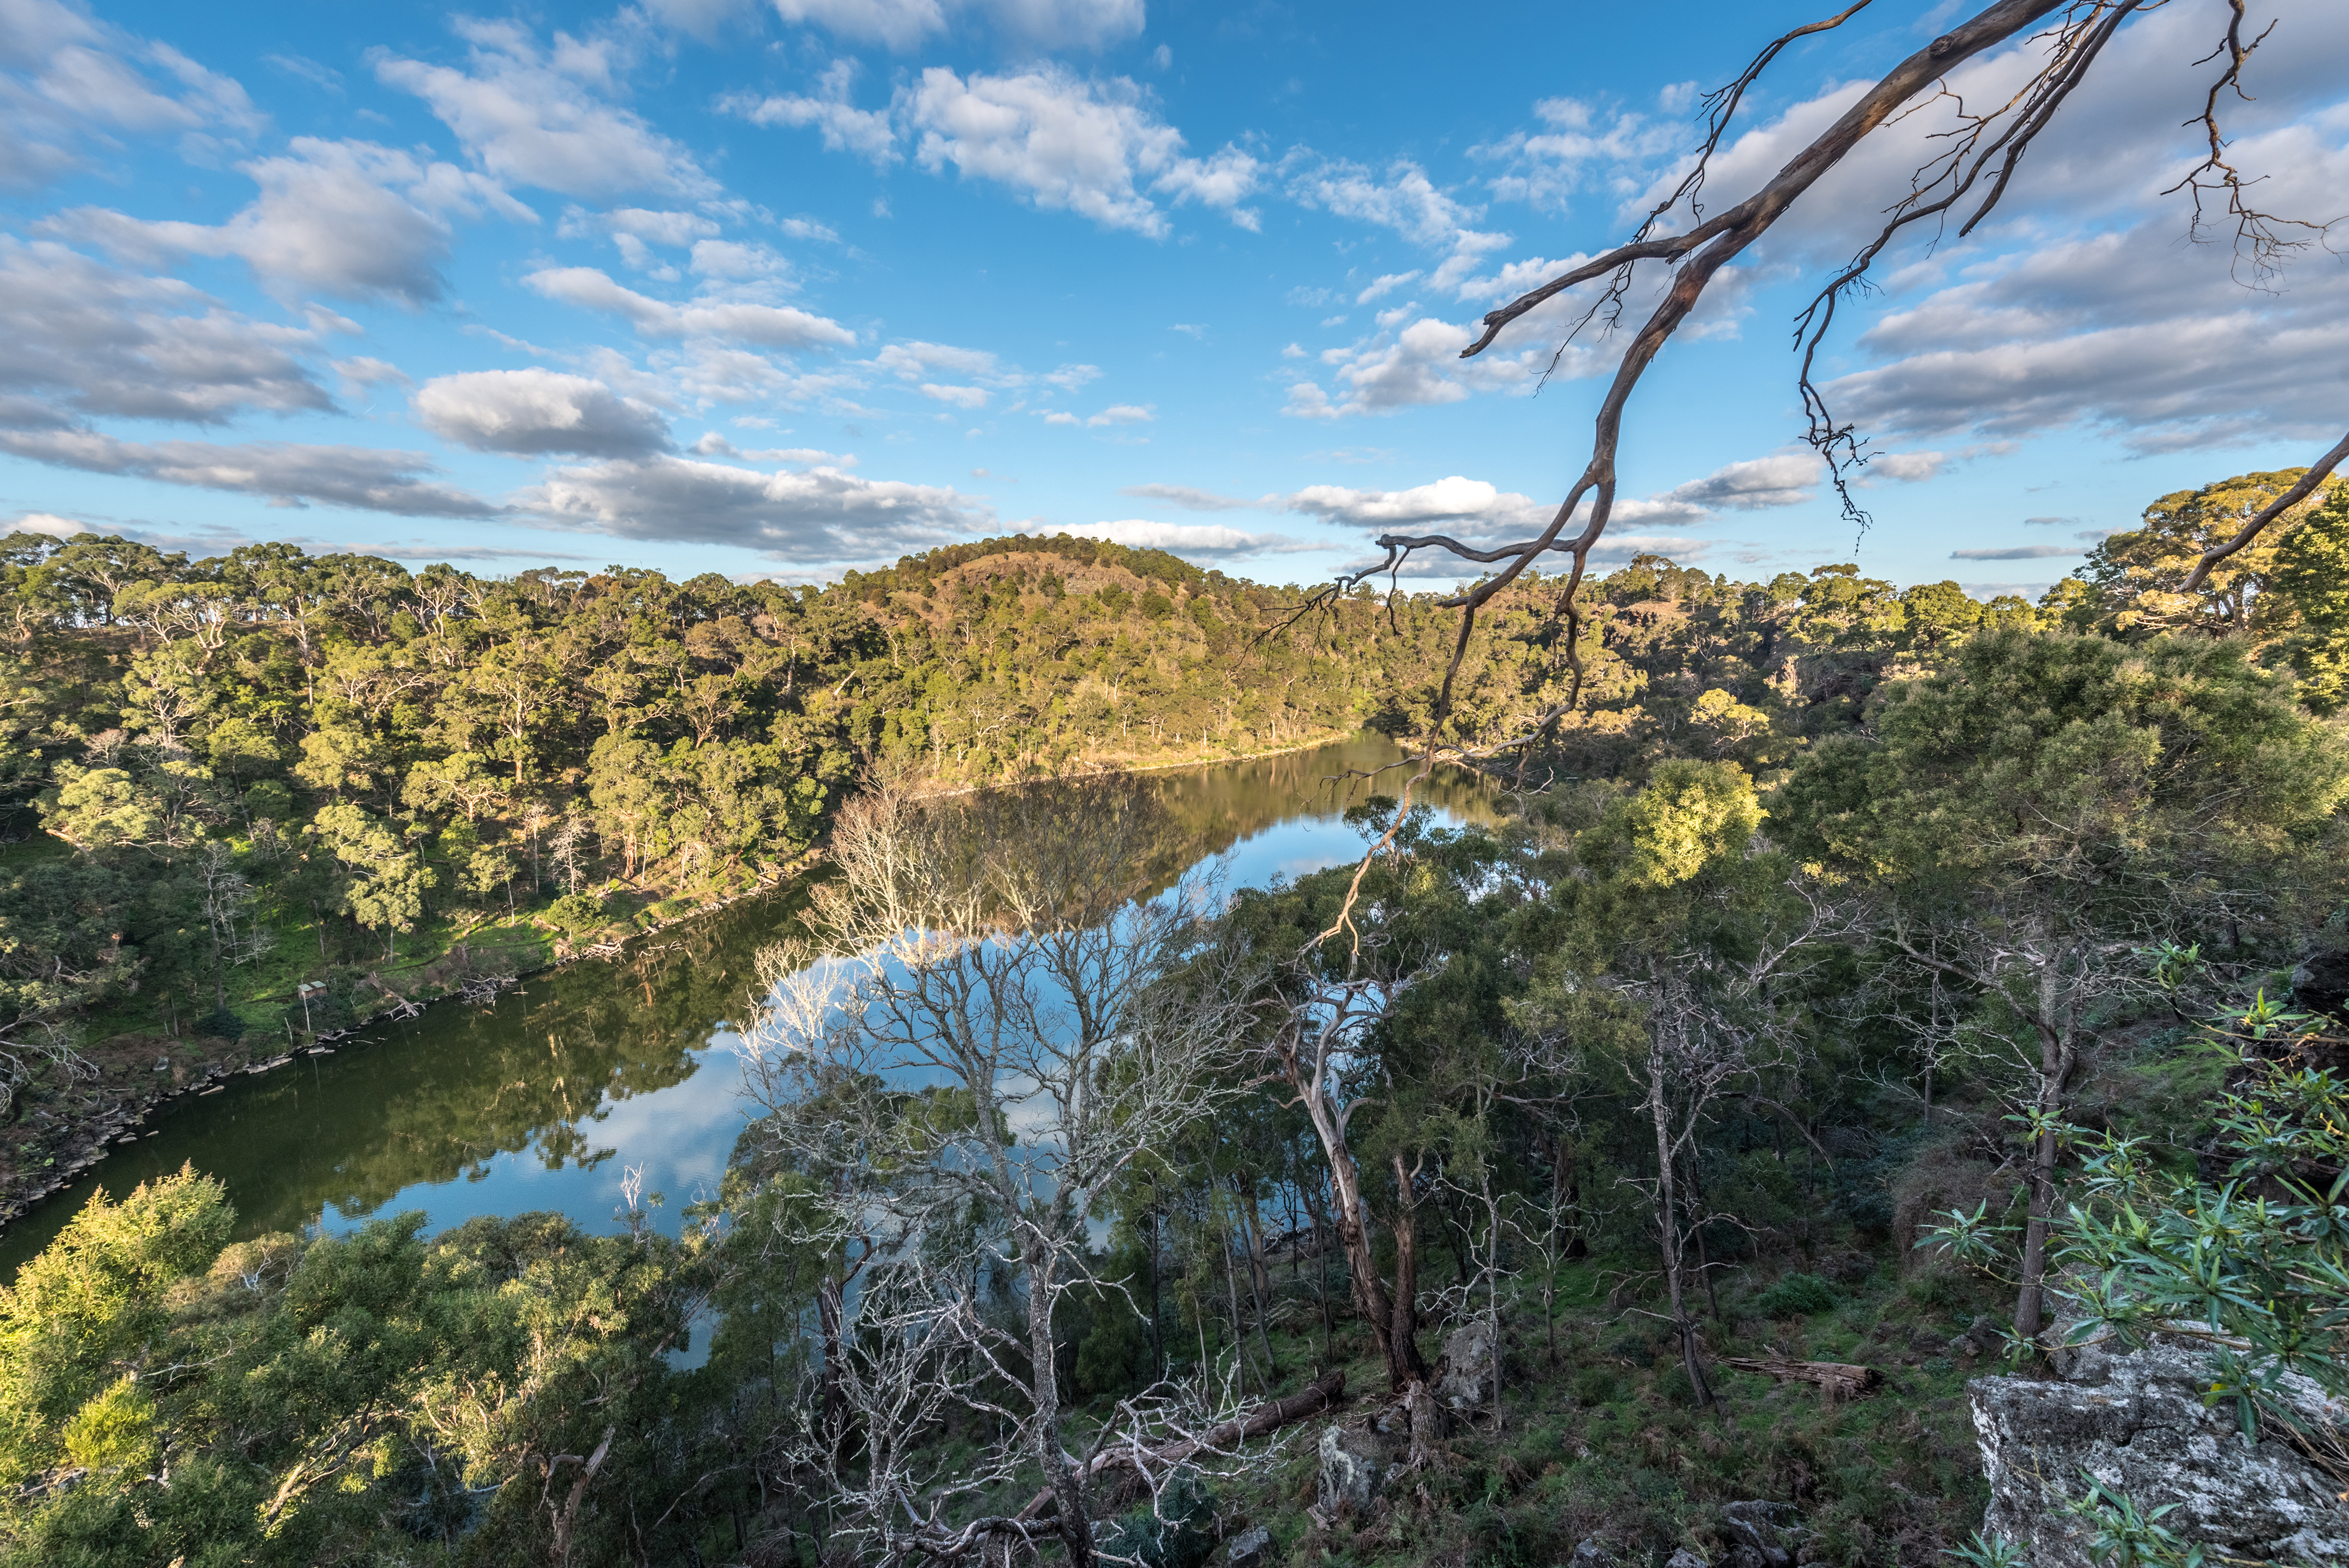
1068, 378
92, 339
819, 517
1059, 418
1384, 284
530, 412
287, 474
1482, 513
1124, 414
893, 23
1482, 506
715, 445
633, 230
959, 397
1405, 200
541, 117
1908, 466
1421, 364
911, 361
68, 79
345, 218
2016, 552
900, 24
364, 370
1784, 480
773, 327
736, 261
1191, 499
49, 523
1208, 540
1094, 148
2123, 331
866, 132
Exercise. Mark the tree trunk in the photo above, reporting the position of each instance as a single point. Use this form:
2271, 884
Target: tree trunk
1667, 1225
2054, 1068
1059, 1472
1403, 1358
1157, 1344
834, 1407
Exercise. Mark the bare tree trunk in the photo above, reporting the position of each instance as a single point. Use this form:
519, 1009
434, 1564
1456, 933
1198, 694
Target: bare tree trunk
1668, 1225
1060, 1471
835, 1399
1158, 1342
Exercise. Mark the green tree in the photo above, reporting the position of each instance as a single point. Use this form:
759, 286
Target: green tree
2023, 819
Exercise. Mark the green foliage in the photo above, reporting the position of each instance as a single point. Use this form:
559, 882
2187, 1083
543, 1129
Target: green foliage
1797, 1296
94, 1295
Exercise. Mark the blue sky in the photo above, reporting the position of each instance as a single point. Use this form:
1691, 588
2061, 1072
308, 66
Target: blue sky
790, 286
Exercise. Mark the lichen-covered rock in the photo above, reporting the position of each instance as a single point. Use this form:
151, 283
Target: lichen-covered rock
1247, 1549
2141, 1428
1466, 1382
1353, 1467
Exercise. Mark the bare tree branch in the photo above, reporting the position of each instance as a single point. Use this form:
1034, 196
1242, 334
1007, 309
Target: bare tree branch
2317, 473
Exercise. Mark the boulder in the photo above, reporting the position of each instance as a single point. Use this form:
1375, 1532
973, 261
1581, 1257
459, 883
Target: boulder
1247, 1549
1353, 1467
1764, 1534
1465, 1382
2138, 1424
1982, 1336
1684, 1558
1588, 1553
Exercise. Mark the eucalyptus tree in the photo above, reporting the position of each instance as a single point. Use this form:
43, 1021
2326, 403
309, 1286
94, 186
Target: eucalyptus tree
1002, 1016
2024, 823
1379, 1044
1663, 959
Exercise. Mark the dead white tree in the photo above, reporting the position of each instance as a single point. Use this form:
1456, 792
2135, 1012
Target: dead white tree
1002, 1021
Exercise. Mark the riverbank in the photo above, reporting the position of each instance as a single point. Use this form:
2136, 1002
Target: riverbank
134, 1076
119, 1084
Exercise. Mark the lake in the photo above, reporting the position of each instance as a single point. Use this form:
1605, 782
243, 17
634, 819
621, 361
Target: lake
545, 1098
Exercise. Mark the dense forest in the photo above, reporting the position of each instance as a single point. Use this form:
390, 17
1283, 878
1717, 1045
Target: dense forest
1864, 988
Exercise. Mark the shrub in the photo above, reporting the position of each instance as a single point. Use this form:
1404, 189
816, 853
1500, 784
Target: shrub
1797, 1295
1597, 1385
577, 914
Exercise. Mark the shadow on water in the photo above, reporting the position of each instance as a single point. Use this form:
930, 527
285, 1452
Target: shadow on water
542, 1099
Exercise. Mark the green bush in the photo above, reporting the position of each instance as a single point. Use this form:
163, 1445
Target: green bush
577, 915
1797, 1295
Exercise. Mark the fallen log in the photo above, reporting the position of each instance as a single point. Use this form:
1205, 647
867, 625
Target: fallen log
1836, 1379
1315, 1397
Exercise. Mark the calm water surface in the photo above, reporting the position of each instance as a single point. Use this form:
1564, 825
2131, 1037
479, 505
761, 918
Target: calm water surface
546, 1099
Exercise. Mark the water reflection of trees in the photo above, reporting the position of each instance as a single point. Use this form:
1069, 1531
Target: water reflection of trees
442, 1097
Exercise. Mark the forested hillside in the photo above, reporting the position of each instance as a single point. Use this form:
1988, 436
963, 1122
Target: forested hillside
1863, 984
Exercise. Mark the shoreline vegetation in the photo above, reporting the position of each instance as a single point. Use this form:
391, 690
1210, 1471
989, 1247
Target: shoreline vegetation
98, 1126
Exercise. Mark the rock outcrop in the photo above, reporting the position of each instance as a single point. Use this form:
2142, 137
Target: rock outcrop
2137, 1423
1353, 1467
1465, 1382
